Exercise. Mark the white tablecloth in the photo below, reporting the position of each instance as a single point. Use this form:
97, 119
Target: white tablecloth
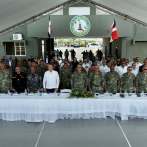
51, 108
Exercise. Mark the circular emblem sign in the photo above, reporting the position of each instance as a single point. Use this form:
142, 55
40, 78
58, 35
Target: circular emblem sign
80, 25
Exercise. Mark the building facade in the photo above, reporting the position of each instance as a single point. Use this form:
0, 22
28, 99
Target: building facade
132, 40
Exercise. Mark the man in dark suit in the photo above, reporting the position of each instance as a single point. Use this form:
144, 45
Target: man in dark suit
145, 64
10, 62
30, 58
47, 60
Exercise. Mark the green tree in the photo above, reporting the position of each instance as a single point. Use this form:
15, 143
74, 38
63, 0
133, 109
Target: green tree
78, 41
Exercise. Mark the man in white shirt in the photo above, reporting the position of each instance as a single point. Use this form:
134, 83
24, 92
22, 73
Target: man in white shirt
86, 65
89, 62
115, 65
138, 64
127, 63
134, 69
104, 67
134, 61
108, 67
122, 69
10, 61
50, 80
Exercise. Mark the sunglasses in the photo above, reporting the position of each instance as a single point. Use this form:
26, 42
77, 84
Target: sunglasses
145, 69
129, 69
79, 67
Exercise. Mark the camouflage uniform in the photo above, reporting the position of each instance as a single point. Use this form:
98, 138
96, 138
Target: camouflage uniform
112, 81
96, 82
38, 70
24, 63
43, 70
69, 67
34, 82
128, 82
29, 71
79, 81
5, 80
23, 69
65, 77
83, 70
57, 63
141, 82
92, 58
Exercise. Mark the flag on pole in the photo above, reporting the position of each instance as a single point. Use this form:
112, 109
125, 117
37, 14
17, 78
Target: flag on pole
114, 34
49, 28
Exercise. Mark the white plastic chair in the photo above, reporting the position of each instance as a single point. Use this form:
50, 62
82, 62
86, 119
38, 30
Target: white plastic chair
65, 90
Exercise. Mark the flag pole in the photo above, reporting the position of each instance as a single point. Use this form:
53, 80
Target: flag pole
49, 35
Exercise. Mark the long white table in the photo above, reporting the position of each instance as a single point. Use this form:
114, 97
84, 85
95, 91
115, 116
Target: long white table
51, 108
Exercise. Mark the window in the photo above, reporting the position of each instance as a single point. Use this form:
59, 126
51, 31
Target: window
15, 48
20, 49
79, 10
10, 48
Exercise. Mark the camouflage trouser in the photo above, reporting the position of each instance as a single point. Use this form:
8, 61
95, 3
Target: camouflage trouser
111, 88
65, 86
97, 89
4, 89
142, 89
79, 89
128, 90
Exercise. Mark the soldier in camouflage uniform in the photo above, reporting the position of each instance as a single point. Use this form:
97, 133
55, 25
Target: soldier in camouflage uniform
38, 70
5, 79
69, 66
23, 69
141, 81
79, 80
65, 77
55, 61
83, 69
112, 80
128, 81
24, 62
43, 68
96, 81
34, 81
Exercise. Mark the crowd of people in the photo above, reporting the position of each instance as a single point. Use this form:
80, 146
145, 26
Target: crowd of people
110, 74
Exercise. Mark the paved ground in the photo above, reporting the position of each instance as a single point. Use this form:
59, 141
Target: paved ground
79, 50
75, 133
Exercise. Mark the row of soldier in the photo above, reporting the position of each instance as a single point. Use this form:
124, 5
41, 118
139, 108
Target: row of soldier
74, 75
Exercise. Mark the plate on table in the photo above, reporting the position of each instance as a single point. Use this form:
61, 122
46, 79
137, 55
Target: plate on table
3, 94
15, 94
45, 94
31, 94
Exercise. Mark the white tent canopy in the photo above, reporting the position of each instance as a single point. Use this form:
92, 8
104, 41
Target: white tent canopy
16, 11
133, 8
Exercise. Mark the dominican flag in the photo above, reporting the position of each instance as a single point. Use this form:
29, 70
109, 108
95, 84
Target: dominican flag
49, 28
114, 34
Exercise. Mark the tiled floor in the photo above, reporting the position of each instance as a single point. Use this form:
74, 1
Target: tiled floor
75, 133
